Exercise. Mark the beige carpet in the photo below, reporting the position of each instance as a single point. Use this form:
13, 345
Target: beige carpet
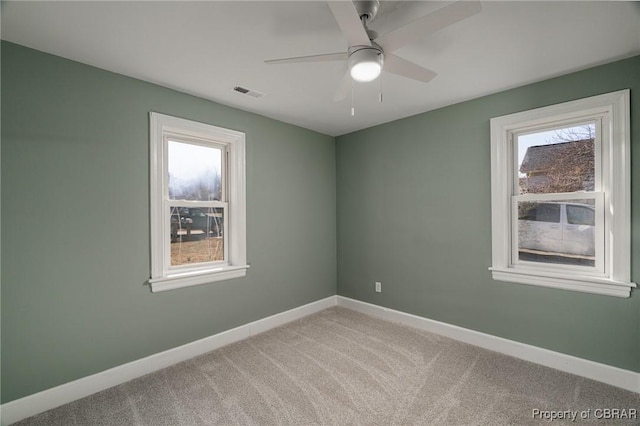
339, 367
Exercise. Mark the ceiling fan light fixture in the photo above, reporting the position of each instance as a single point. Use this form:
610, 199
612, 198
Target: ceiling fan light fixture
365, 64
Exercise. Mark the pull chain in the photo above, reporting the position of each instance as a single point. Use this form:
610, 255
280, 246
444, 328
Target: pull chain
353, 109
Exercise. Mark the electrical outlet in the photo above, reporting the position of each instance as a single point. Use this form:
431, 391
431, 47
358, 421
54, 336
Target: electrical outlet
378, 287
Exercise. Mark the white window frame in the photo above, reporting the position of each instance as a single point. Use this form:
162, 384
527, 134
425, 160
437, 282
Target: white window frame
612, 276
163, 275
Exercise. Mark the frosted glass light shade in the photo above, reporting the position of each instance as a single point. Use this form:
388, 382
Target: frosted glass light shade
365, 64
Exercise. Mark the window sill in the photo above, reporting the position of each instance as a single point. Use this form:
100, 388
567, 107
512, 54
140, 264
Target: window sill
584, 284
188, 279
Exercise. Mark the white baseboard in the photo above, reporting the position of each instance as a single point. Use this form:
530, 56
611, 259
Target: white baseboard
614, 376
31, 405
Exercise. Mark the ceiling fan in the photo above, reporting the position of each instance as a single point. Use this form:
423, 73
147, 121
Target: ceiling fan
370, 53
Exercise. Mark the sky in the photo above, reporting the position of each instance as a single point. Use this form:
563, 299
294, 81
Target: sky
188, 161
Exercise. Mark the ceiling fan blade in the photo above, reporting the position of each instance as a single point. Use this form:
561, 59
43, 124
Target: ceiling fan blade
344, 88
349, 22
343, 56
428, 24
396, 65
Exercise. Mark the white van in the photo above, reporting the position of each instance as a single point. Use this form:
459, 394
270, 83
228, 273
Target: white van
565, 228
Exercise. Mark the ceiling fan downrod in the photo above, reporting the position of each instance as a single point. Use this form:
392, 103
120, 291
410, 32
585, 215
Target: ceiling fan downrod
367, 9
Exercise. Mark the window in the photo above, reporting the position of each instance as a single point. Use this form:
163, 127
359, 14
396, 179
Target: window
560, 196
198, 229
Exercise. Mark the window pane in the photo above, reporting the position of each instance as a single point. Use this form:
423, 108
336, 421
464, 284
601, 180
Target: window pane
581, 215
557, 160
540, 212
194, 172
196, 235
560, 232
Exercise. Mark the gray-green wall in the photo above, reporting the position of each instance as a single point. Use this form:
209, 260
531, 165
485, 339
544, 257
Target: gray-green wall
414, 212
75, 223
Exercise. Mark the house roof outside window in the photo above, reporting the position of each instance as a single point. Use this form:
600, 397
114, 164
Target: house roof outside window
559, 167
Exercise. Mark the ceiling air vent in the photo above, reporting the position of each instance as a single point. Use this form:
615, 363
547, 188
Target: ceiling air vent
248, 92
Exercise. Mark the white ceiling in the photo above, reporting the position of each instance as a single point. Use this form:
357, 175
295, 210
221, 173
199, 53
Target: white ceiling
206, 48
